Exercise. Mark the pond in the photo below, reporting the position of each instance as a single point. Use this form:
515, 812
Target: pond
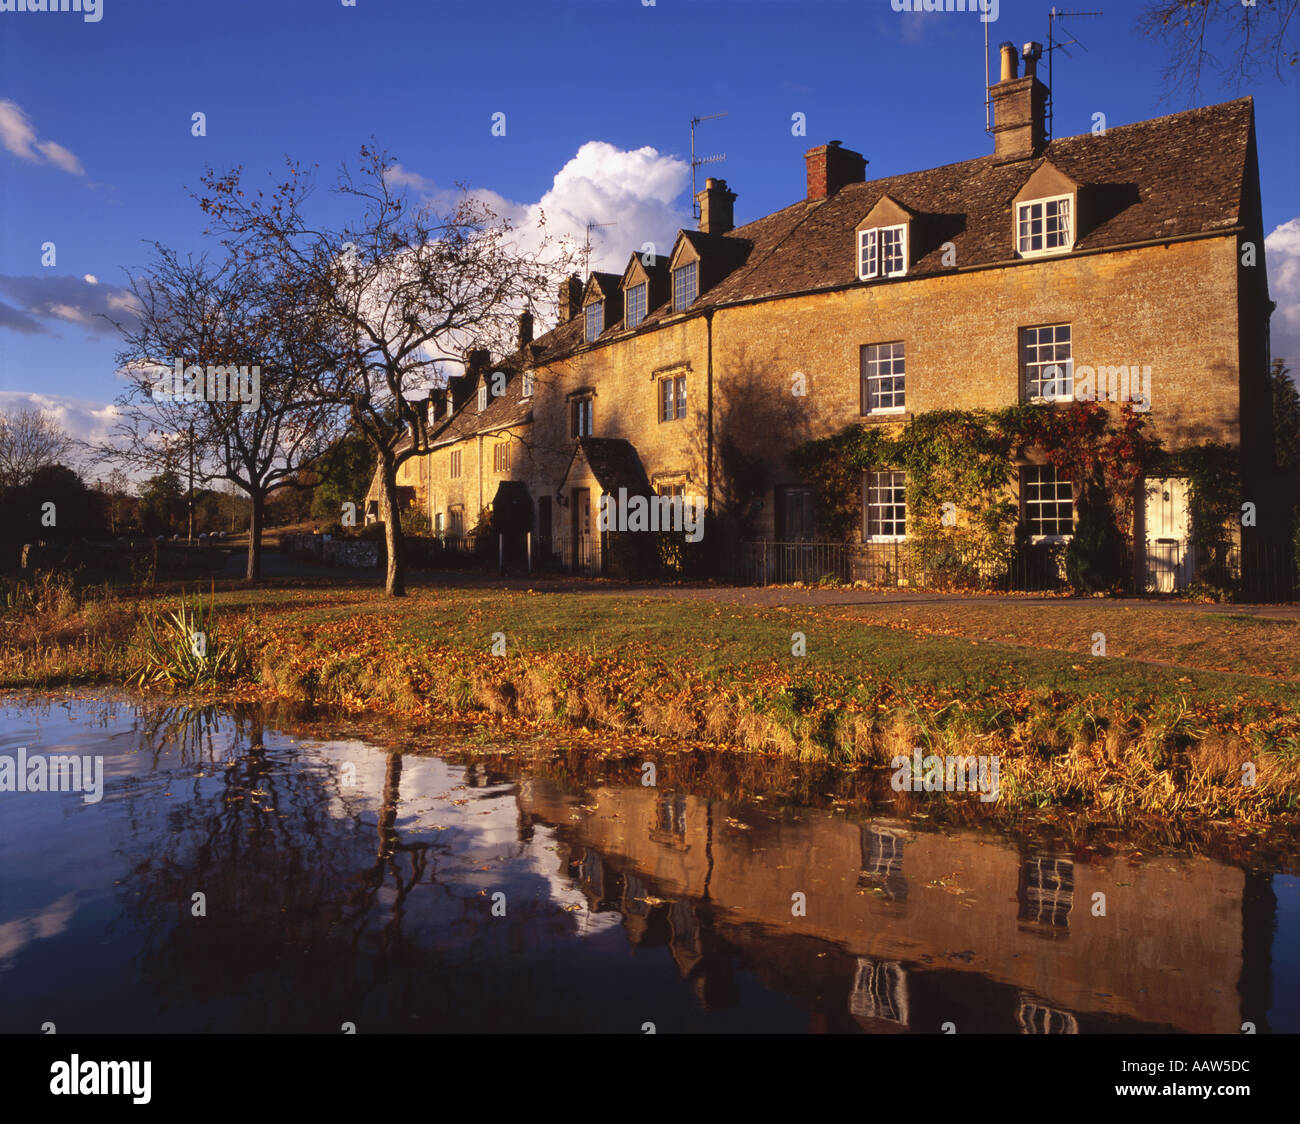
241, 874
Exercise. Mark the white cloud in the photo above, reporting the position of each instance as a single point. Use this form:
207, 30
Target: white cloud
90, 279
605, 184
602, 183
18, 136
1282, 251
636, 189
398, 176
68, 312
83, 418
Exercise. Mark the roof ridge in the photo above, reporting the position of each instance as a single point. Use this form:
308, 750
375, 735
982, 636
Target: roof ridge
1217, 106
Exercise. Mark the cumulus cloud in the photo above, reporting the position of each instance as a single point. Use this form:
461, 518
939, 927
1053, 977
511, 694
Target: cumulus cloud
605, 184
18, 135
83, 418
1282, 251
32, 305
637, 189
398, 176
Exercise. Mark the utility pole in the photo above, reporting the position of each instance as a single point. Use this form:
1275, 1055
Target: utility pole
191, 496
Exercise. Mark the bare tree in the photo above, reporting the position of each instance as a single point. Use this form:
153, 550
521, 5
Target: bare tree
29, 441
1233, 38
223, 366
116, 491
399, 290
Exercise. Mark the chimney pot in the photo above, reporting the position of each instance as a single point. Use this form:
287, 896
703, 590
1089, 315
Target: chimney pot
1009, 69
1032, 53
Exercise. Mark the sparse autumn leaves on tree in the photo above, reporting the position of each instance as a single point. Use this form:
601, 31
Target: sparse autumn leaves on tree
398, 290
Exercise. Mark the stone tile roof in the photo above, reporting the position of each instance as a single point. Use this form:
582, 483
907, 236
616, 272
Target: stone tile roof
510, 408
1169, 177
1172, 176
614, 463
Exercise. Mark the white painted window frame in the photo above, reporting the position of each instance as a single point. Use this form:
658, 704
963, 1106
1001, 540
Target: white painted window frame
1071, 224
871, 250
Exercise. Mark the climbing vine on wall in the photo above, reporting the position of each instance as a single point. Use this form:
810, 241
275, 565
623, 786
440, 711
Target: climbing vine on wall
966, 459
1214, 485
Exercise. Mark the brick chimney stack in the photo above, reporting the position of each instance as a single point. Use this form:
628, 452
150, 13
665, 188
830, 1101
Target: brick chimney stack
717, 215
1019, 106
831, 167
570, 297
525, 330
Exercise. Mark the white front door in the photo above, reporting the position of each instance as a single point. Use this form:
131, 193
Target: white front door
1167, 529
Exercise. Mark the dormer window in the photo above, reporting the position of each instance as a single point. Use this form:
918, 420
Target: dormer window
686, 285
882, 252
526, 389
636, 304
595, 320
1044, 226
482, 398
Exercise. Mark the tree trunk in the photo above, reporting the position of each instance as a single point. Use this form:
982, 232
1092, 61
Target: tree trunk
254, 572
395, 580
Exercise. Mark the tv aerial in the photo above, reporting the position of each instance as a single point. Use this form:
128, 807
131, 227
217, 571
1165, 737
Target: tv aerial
700, 161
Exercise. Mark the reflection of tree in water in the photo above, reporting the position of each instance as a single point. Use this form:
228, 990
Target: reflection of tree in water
191, 731
309, 896
292, 887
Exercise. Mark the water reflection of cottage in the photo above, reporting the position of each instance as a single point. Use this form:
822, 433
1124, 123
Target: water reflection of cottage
879, 994
1046, 894
882, 862
1035, 1018
670, 821
961, 913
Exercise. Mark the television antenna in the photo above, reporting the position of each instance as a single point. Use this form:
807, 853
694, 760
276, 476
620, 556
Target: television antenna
1052, 45
988, 98
586, 245
699, 161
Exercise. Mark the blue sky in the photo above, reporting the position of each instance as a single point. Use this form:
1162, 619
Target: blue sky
96, 149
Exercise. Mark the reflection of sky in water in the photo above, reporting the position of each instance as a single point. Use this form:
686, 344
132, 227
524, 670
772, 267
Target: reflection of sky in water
483, 829
317, 915
1285, 1015
95, 932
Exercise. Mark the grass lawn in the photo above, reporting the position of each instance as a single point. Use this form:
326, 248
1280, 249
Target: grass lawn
1166, 720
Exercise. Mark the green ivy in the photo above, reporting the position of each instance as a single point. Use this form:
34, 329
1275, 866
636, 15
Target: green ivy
1213, 475
966, 458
